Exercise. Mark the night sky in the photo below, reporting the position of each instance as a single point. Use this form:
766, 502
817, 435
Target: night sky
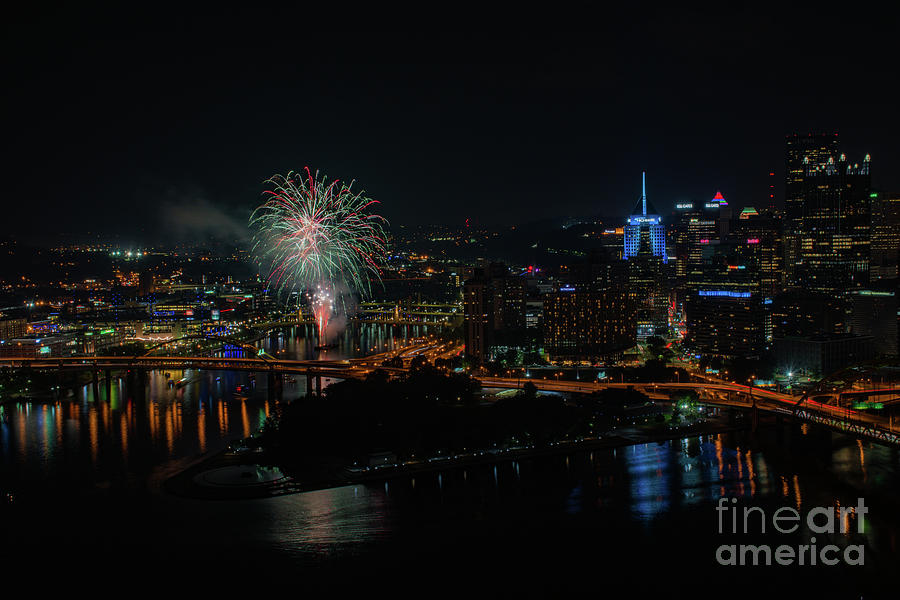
150, 125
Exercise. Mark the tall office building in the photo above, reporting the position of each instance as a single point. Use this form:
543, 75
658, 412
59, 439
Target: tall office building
590, 317
885, 235
725, 323
644, 218
587, 325
648, 291
801, 150
827, 216
696, 226
680, 232
875, 313
726, 315
834, 234
493, 310
800, 313
757, 239
476, 318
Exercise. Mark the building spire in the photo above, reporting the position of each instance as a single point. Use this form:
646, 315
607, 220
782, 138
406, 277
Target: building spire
644, 192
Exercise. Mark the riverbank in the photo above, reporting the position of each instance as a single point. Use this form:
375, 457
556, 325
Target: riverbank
51, 388
189, 482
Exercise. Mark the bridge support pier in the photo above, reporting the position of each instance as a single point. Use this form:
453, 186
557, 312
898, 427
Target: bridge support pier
318, 385
134, 383
309, 383
275, 387
755, 419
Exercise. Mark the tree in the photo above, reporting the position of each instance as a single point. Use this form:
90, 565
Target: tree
658, 350
530, 390
511, 357
676, 413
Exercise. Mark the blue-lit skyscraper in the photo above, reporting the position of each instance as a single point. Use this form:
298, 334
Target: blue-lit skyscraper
644, 218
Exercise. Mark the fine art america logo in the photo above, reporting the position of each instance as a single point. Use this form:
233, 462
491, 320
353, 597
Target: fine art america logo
786, 520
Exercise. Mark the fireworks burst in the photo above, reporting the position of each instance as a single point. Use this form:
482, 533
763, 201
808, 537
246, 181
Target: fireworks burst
313, 236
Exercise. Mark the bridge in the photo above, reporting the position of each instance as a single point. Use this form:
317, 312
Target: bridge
254, 360
721, 393
404, 312
711, 391
409, 311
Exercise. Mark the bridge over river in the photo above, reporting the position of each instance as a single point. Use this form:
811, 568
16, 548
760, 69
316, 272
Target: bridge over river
727, 394
710, 391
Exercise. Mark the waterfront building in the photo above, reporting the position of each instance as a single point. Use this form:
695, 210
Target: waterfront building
822, 355
802, 313
875, 313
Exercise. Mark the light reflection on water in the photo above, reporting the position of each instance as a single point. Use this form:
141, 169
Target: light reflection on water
651, 502
108, 434
326, 521
636, 484
113, 433
105, 431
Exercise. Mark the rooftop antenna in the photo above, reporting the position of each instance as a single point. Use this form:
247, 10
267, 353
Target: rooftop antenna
644, 192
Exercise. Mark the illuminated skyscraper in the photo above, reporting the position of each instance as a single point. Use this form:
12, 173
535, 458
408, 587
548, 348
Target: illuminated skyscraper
800, 151
698, 226
493, 309
591, 317
648, 291
885, 236
834, 228
757, 241
645, 219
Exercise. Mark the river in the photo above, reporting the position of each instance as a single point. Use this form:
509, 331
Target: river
636, 520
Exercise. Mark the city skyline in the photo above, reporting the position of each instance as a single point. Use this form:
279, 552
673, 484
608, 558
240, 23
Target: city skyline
296, 305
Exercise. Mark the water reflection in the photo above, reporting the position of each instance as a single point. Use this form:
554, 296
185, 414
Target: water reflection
119, 428
325, 521
354, 341
636, 484
104, 430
